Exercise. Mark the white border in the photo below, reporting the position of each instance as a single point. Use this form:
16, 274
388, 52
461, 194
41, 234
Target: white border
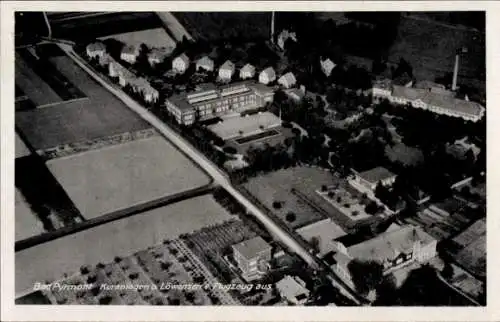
119, 313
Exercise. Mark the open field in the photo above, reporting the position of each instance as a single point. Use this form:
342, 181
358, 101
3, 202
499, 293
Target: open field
213, 26
123, 175
37, 90
26, 222
244, 125
49, 261
101, 116
430, 48
277, 186
156, 37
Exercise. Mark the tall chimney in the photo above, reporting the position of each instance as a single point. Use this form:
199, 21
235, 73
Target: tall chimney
272, 28
455, 72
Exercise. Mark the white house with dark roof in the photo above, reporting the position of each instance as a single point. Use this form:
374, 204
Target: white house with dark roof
293, 289
267, 76
248, 71
288, 80
180, 63
129, 54
327, 66
226, 71
205, 63
96, 49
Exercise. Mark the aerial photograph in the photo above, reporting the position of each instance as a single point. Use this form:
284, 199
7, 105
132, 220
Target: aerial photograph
262, 158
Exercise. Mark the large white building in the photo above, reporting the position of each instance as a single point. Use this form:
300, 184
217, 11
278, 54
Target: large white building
267, 76
180, 64
428, 97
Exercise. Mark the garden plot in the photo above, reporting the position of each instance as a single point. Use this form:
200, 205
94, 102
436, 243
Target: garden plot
50, 261
124, 175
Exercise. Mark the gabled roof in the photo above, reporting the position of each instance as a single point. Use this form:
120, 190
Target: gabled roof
248, 68
270, 72
183, 57
130, 49
288, 77
376, 174
227, 65
205, 61
292, 287
252, 247
95, 46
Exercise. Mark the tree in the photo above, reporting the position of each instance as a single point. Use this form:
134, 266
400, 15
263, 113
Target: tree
324, 188
366, 276
371, 208
315, 244
277, 204
290, 217
105, 300
448, 271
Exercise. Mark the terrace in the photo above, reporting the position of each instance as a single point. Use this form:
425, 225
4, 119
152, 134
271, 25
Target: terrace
238, 126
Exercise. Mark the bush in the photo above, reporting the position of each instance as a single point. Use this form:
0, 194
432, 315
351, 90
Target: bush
287, 125
324, 188
118, 259
296, 131
84, 270
133, 276
355, 213
290, 217
105, 300
331, 194
371, 208
277, 205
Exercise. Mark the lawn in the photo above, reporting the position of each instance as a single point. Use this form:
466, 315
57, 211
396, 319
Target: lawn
407, 155
102, 115
277, 186
153, 38
123, 175
49, 261
430, 48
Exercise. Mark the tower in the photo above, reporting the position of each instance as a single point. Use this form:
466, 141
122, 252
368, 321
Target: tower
272, 27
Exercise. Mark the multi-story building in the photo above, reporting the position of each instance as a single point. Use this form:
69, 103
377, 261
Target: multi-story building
267, 76
293, 289
371, 178
248, 71
180, 64
252, 257
226, 71
205, 63
209, 101
288, 80
393, 249
129, 54
428, 97
96, 49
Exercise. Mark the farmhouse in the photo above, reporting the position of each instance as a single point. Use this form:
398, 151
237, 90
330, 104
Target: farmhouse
96, 49
429, 97
293, 289
226, 71
129, 54
205, 63
157, 55
252, 257
371, 178
288, 80
393, 249
267, 76
284, 36
180, 64
248, 71
327, 66
209, 101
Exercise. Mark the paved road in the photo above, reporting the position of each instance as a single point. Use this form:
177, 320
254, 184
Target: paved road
218, 176
170, 22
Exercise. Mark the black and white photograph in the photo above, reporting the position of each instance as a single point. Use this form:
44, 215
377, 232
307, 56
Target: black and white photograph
264, 158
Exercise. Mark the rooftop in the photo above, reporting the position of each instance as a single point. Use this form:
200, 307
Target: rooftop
387, 245
269, 71
227, 65
376, 174
292, 287
96, 46
130, 49
252, 247
248, 68
288, 77
205, 60
325, 230
183, 57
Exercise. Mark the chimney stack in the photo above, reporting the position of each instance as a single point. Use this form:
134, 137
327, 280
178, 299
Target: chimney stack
455, 72
272, 28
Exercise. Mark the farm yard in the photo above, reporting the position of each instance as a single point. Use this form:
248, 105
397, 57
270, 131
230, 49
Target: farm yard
274, 191
123, 175
153, 38
213, 26
100, 116
42, 263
